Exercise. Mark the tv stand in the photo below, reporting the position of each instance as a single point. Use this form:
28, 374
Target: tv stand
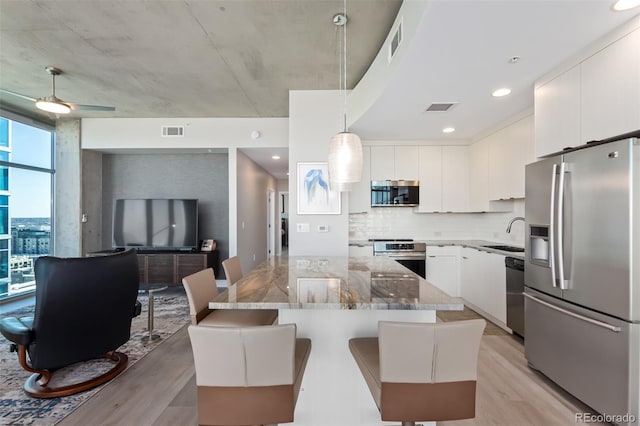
169, 267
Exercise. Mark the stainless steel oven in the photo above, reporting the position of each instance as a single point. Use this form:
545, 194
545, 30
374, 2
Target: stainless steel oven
406, 252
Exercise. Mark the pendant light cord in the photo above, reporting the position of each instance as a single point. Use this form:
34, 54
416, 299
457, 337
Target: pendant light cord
344, 64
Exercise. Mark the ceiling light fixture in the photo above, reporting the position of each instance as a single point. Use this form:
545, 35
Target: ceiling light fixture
53, 103
275, 157
345, 148
448, 130
622, 5
501, 92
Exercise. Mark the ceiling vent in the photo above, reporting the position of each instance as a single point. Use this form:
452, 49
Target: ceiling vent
395, 41
172, 131
440, 106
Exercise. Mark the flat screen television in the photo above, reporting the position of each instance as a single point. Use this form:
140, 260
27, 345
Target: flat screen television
155, 224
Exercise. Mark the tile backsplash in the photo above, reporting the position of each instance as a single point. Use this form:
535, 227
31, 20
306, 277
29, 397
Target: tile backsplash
403, 222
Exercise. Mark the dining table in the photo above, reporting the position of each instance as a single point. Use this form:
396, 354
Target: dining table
331, 300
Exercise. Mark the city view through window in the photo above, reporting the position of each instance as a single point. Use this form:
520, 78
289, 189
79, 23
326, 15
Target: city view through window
26, 174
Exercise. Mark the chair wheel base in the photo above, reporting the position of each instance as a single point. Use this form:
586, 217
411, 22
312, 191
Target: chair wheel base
35, 390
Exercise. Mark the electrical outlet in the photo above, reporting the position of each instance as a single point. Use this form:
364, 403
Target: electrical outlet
323, 228
302, 227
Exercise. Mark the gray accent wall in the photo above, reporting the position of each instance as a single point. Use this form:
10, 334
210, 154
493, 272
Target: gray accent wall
201, 176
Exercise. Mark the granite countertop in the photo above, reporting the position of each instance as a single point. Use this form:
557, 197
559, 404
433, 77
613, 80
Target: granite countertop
476, 244
373, 283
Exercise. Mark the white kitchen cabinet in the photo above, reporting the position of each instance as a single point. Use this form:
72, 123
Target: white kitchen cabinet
443, 270
430, 179
510, 149
395, 163
596, 99
557, 113
455, 178
382, 162
470, 275
483, 282
360, 195
407, 162
610, 88
479, 176
444, 179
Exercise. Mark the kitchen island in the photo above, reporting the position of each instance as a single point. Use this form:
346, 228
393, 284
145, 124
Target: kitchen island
333, 299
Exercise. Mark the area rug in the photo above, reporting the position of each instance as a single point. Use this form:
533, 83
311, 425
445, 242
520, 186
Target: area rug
16, 408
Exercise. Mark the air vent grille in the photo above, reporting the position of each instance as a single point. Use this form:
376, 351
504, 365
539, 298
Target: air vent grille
172, 131
395, 41
440, 106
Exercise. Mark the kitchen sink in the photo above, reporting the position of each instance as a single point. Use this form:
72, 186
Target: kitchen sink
506, 248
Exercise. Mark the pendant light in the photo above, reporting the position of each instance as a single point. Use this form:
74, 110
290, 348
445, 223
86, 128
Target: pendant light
345, 149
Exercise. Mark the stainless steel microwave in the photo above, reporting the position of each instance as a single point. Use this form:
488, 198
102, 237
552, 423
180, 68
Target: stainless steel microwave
395, 193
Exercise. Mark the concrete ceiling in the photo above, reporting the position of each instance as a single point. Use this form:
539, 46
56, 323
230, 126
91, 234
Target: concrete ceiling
195, 58
188, 58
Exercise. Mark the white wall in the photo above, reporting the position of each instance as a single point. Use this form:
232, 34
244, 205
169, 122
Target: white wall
252, 185
314, 117
145, 133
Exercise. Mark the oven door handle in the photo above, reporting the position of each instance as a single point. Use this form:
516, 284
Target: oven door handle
418, 257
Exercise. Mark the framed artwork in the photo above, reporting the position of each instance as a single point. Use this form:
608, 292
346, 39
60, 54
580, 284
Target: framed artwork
314, 194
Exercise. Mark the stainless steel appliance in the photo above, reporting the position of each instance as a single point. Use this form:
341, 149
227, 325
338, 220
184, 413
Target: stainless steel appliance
407, 252
395, 193
582, 274
515, 297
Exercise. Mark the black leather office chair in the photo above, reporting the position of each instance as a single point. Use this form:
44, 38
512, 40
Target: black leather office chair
83, 311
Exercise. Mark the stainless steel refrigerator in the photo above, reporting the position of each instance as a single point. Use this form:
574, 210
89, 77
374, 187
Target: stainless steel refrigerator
582, 274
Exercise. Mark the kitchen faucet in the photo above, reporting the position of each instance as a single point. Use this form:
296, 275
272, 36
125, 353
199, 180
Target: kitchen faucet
511, 223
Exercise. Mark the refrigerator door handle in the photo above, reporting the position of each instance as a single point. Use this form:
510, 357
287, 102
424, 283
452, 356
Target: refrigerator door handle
552, 227
560, 226
573, 314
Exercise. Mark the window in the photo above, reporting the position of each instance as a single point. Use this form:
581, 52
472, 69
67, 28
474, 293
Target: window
26, 201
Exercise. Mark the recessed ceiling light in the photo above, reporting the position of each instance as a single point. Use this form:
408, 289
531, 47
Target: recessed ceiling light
448, 130
621, 5
501, 92
275, 157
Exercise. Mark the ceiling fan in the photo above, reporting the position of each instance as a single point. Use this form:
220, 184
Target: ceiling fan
53, 103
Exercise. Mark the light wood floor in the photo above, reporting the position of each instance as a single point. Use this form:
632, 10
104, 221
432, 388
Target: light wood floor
160, 390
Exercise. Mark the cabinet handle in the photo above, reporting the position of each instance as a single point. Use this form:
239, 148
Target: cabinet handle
431, 256
464, 257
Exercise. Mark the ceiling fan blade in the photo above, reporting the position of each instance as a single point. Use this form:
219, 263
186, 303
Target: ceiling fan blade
9, 92
92, 107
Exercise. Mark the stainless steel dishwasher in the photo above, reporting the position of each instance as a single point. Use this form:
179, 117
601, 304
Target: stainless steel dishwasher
515, 297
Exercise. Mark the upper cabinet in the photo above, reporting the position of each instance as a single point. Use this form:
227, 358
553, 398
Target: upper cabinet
444, 179
596, 99
395, 163
430, 179
496, 166
557, 113
510, 149
611, 90
479, 176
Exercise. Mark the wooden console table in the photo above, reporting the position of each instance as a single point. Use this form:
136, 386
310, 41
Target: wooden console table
169, 267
